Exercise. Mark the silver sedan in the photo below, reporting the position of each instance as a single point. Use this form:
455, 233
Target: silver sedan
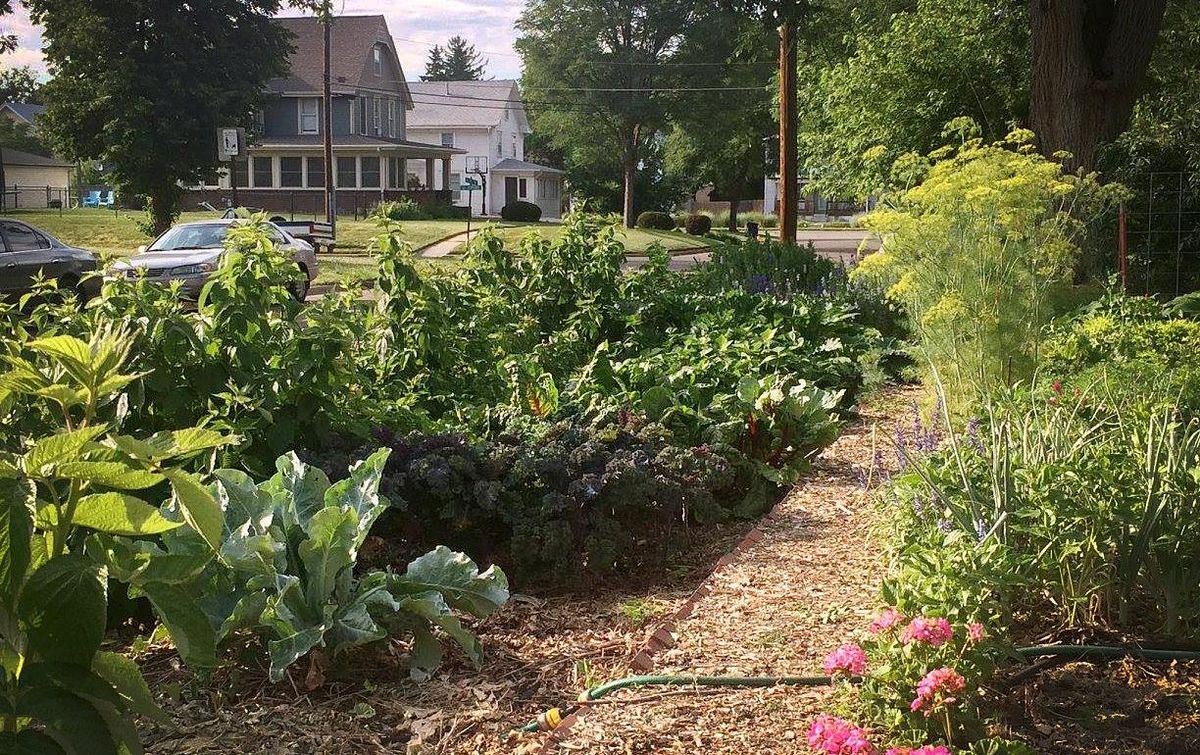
190, 252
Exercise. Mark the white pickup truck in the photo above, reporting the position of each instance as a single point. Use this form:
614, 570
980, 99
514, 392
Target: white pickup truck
317, 233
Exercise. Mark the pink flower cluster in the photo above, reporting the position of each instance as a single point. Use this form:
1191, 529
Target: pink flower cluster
849, 659
937, 690
975, 633
933, 632
833, 736
926, 750
889, 619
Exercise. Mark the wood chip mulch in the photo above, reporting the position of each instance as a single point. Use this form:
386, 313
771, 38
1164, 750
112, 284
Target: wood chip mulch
778, 608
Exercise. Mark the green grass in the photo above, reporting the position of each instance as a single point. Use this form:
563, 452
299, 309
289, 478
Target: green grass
117, 233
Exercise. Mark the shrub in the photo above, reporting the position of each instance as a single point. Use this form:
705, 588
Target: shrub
521, 212
659, 221
401, 209
975, 251
698, 225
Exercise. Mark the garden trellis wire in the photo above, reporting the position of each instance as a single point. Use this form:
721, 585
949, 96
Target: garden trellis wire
1161, 234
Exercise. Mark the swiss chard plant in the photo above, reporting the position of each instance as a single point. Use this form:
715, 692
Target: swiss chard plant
70, 500
288, 548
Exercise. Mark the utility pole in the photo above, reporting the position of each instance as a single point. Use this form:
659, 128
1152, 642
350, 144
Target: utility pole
327, 117
788, 189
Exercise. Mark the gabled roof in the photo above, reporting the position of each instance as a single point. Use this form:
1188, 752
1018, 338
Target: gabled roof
511, 165
465, 104
17, 157
352, 40
26, 111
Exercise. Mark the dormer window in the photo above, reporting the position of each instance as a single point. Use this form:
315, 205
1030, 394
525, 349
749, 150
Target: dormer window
377, 59
309, 109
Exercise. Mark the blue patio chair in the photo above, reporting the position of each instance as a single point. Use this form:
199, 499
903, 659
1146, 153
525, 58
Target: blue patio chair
92, 199
108, 200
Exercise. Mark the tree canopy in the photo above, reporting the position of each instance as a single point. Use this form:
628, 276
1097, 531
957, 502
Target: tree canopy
143, 85
457, 61
19, 84
591, 71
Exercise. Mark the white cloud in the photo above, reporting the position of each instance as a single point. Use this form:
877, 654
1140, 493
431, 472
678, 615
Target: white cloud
487, 24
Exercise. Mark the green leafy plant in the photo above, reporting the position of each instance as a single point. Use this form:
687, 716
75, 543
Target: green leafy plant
70, 501
521, 212
288, 551
697, 225
975, 251
400, 209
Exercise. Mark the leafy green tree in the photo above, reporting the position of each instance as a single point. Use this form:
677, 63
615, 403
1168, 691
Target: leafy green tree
726, 147
457, 61
8, 42
20, 136
903, 72
172, 74
590, 67
19, 84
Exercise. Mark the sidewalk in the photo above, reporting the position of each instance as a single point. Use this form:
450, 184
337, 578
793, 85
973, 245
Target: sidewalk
447, 245
795, 590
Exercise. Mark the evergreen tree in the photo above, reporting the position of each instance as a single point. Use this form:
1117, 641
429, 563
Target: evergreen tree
435, 67
463, 63
457, 61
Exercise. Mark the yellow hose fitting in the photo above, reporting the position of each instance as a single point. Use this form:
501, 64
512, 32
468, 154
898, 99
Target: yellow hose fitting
550, 720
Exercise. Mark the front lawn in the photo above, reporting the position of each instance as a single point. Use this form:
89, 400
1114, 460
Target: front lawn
637, 240
117, 233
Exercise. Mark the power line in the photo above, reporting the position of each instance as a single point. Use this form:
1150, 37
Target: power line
653, 89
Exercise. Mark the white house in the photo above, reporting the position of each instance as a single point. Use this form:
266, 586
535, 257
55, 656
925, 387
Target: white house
486, 119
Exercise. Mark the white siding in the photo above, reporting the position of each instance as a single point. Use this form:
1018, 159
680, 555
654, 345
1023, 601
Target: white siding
477, 142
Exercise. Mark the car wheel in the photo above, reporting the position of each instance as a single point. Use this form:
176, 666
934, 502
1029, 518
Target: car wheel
299, 287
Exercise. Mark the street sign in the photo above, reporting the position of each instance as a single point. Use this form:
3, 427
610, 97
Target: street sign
231, 143
469, 184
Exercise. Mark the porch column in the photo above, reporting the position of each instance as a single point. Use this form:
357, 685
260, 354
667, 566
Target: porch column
429, 173
402, 166
446, 175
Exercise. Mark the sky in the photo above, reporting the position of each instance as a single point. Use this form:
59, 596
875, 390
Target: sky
415, 25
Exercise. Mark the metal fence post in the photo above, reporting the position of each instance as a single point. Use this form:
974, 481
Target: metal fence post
1123, 249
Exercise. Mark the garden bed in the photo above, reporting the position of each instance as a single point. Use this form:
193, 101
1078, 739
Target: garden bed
776, 607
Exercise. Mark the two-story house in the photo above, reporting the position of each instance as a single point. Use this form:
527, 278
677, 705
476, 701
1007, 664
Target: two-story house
486, 121
373, 156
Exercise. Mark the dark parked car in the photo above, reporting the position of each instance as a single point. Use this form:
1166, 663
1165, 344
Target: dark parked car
26, 251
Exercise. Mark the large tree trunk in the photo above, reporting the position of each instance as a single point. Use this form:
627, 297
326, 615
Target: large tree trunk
629, 160
1089, 60
734, 205
163, 206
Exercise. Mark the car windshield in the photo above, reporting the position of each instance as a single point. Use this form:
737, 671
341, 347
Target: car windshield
206, 236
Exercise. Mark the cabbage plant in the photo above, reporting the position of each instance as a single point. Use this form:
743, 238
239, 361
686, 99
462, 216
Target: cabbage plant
285, 570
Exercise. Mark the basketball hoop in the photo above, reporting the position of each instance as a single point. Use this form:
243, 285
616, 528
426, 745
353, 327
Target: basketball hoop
477, 165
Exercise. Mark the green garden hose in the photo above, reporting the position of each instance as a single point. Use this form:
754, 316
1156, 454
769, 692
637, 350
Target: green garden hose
552, 718
1082, 652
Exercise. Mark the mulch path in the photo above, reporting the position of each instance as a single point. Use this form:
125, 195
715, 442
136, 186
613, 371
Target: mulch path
778, 608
